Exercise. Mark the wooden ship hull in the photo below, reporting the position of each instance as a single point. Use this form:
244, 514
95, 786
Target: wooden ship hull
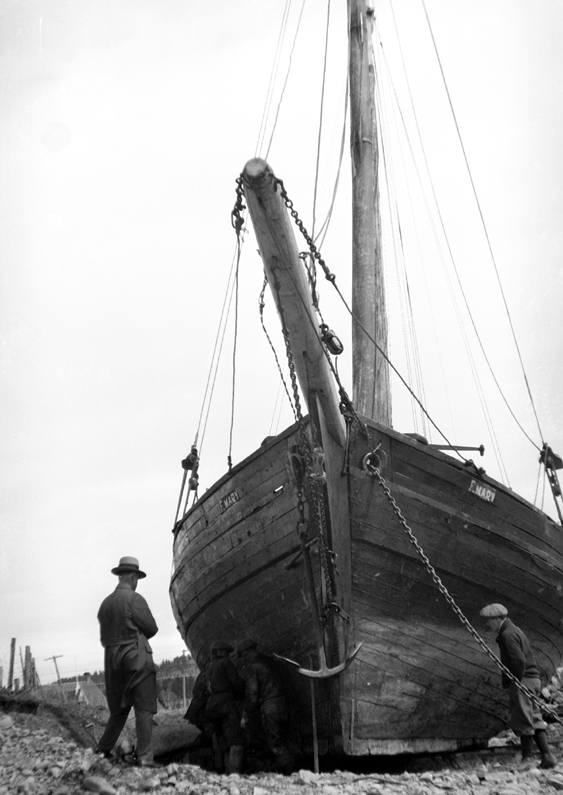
420, 681
301, 547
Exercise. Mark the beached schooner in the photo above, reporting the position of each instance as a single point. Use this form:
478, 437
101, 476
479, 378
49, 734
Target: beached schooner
351, 550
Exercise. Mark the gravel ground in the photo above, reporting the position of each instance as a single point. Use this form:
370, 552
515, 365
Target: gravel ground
44, 754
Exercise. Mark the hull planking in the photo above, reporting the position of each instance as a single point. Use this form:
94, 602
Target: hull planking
420, 682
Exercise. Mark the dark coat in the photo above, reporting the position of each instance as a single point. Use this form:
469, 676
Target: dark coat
200, 696
263, 683
516, 653
224, 685
126, 623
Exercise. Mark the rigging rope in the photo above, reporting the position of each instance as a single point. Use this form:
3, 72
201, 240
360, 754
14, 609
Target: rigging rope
412, 353
273, 73
465, 339
238, 228
374, 472
493, 259
331, 277
319, 134
285, 83
321, 234
261, 307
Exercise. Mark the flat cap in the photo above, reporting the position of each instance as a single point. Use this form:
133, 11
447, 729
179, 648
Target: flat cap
246, 643
221, 645
494, 611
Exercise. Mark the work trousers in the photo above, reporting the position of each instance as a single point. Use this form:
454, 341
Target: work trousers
525, 715
143, 725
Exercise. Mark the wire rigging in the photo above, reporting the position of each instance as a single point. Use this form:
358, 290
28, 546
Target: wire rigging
493, 259
319, 134
290, 64
414, 369
454, 301
273, 75
229, 457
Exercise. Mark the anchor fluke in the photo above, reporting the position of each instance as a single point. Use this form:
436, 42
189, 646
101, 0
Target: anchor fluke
323, 671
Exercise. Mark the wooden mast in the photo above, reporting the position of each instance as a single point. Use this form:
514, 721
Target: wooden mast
371, 392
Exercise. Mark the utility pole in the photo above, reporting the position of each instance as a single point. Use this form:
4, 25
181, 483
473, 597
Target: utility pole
54, 658
12, 655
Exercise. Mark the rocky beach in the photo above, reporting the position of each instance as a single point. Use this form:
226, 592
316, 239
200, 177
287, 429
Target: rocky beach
49, 754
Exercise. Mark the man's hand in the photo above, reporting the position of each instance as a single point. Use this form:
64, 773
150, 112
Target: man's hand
243, 723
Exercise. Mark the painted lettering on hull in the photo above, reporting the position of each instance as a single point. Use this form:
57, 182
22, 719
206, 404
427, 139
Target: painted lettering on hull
482, 491
229, 500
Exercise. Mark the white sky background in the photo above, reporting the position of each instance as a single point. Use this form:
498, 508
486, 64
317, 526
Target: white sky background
116, 246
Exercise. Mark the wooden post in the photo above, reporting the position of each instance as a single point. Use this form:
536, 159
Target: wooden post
12, 656
27, 683
54, 658
22, 667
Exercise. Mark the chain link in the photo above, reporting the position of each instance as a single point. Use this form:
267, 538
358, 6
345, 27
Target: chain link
313, 486
374, 472
315, 253
237, 214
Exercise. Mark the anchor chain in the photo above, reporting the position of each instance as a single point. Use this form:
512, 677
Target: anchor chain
237, 214
374, 472
315, 486
261, 304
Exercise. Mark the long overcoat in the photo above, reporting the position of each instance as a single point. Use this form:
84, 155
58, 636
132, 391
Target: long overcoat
126, 624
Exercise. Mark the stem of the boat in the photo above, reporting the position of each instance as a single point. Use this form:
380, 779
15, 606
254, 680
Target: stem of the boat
371, 391
288, 282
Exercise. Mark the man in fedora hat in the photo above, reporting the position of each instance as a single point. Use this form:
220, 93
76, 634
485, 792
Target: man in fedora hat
517, 655
126, 624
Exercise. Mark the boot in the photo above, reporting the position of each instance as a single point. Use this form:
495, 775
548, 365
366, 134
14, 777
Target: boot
236, 758
527, 746
218, 765
547, 759
284, 760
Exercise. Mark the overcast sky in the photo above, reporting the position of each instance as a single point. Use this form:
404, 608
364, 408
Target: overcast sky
123, 127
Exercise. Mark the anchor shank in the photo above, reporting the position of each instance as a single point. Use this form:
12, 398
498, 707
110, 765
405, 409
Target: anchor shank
317, 628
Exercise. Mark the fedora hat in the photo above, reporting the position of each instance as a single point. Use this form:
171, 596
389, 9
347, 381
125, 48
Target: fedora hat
128, 564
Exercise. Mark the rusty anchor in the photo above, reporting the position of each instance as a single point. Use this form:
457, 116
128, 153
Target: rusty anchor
323, 671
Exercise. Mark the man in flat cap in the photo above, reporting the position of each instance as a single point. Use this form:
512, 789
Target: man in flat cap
265, 698
226, 689
126, 624
517, 655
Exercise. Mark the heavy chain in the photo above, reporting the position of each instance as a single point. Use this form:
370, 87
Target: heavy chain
315, 488
346, 405
374, 472
261, 305
315, 253
237, 214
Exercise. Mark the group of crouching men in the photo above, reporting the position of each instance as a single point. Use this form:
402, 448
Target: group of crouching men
238, 696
